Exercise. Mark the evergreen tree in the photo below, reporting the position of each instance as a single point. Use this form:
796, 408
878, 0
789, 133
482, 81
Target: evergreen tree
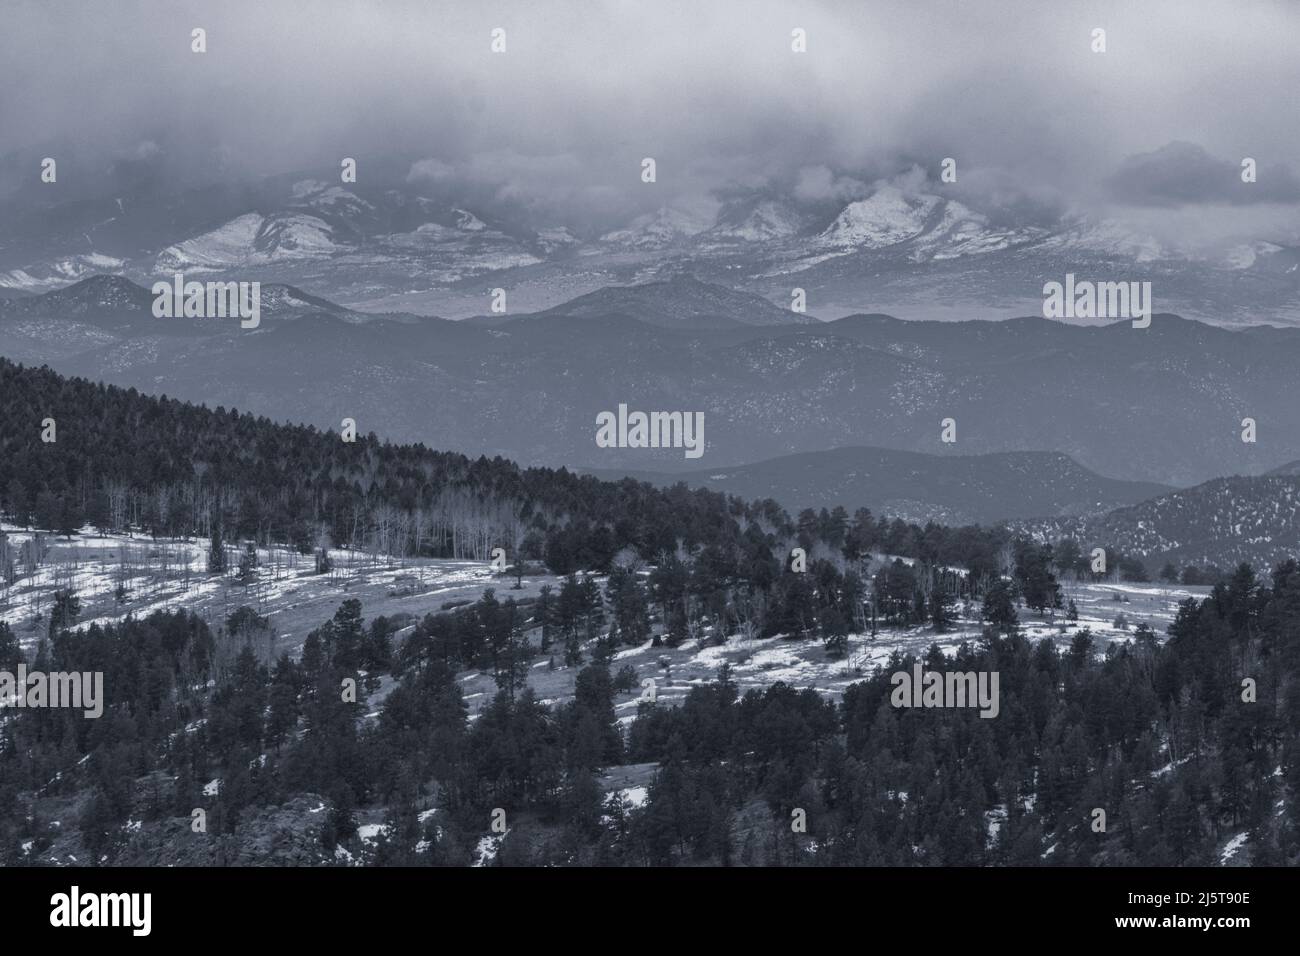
11, 653
64, 613
631, 611
247, 573
941, 602
216, 551
999, 608
545, 616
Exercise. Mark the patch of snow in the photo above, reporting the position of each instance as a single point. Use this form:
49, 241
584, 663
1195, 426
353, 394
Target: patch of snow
1233, 845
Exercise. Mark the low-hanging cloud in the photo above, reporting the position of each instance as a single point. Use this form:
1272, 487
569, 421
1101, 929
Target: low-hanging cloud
1181, 174
820, 183
560, 122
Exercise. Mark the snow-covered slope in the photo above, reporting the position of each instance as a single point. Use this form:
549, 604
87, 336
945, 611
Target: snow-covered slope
250, 239
885, 218
1222, 522
658, 229
766, 221
899, 241
59, 273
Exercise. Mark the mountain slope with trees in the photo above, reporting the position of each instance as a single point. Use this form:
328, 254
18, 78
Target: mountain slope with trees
529, 387
1189, 746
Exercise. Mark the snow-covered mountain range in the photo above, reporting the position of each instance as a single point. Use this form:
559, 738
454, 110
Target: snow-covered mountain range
906, 250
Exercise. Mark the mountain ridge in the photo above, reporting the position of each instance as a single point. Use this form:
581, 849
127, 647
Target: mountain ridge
919, 487
1223, 521
1162, 404
889, 247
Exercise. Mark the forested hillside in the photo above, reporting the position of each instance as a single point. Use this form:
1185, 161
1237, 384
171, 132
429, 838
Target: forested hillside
1224, 521
122, 460
1187, 768
1187, 764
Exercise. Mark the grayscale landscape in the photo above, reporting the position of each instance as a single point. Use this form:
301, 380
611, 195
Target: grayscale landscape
370, 583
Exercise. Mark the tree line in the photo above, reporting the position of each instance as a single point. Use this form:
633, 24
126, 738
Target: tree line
1161, 737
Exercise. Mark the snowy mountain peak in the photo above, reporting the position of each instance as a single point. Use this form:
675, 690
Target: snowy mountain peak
250, 239
766, 221
60, 272
555, 238
468, 221
660, 228
886, 217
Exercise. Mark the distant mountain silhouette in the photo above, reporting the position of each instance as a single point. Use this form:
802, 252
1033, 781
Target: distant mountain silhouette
683, 303
950, 489
1162, 404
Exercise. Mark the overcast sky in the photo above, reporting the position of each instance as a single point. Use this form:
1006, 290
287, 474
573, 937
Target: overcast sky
1155, 128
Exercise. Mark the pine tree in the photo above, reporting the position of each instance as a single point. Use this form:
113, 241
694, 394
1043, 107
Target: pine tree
545, 616
512, 659
11, 653
940, 609
64, 613
348, 636
631, 610
999, 610
247, 573
217, 551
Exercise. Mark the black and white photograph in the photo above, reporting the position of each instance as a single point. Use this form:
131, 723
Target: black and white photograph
651, 436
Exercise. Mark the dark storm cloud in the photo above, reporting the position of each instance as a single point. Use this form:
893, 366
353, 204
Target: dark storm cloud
560, 122
1185, 174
